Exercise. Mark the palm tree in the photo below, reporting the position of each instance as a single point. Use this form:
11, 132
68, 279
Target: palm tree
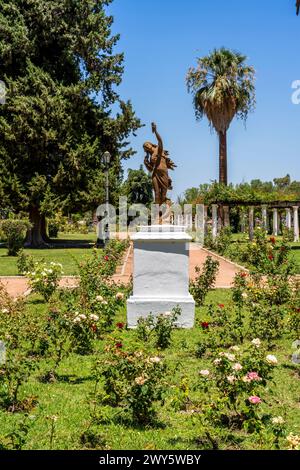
223, 87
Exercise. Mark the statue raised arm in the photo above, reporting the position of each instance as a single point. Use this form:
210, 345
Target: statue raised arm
159, 164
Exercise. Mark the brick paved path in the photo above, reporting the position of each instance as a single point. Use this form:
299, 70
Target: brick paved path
17, 285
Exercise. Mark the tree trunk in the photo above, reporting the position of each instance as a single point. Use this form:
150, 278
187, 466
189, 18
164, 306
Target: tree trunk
223, 158
36, 236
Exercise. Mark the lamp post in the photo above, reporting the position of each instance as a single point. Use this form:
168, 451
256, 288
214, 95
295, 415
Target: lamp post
106, 159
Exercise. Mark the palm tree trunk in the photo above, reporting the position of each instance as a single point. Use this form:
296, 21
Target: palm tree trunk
223, 157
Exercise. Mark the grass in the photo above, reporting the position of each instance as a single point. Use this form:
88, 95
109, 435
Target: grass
68, 398
68, 257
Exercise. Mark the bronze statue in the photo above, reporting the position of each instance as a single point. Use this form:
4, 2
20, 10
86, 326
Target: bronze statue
159, 164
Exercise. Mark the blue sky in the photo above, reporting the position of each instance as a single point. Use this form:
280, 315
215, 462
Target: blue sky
161, 39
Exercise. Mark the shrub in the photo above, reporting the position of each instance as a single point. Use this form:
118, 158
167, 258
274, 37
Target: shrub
25, 262
159, 328
133, 381
221, 242
53, 228
236, 381
57, 340
13, 373
14, 231
205, 280
44, 279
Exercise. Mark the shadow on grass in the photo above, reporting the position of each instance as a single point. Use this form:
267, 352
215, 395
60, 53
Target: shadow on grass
123, 417
206, 442
70, 379
293, 368
36, 302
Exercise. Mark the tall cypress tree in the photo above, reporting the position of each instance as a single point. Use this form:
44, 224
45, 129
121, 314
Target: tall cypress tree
58, 63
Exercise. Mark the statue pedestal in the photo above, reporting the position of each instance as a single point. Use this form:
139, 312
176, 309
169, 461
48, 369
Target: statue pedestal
161, 274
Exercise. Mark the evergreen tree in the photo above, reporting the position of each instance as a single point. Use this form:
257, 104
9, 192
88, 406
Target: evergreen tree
61, 72
138, 187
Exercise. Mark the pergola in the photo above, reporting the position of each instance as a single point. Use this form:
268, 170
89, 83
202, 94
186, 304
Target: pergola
291, 209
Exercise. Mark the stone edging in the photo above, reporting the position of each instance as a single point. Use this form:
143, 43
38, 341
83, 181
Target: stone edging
239, 266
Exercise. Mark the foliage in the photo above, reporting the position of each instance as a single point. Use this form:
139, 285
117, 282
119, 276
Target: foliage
44, 279
266, 254
96, 294
256, 191
61, 73
53, 228
236, 382
13, 373
14, 231
138, 187
133, 381
205, 280
25, 262
158, 329
221, 242
222, 87
16, 439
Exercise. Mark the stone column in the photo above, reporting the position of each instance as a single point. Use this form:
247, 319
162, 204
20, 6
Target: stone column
275, 222
214, 209
226, 216
296, 224
264, 217
243, 222
251, 222
288, 218
205, 220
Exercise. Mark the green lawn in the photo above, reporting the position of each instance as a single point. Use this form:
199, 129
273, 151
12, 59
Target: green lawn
68, 257
68, 399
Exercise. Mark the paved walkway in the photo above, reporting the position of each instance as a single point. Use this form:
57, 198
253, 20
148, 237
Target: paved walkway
18, 285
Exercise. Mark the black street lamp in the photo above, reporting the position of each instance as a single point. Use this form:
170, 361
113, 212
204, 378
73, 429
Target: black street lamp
106, 159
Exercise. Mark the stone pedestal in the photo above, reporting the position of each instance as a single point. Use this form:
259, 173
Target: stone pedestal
161, 274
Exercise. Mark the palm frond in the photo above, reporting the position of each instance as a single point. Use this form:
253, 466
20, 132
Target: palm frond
222, 86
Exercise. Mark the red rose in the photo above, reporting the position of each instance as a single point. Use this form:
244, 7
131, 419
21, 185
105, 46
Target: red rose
272, 240
120, 325
94, 328
119, 345
106, 258
205, 325
243, 274
271, 257
221, 305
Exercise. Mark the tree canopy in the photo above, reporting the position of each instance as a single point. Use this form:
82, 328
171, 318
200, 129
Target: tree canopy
62, 109
222, 86
138, 187
257, 191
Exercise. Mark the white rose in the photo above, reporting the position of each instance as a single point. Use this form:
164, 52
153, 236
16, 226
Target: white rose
155, 359
256, 342
230, 357
271, 359
94, 317
278, 420
231, 379
99, 298
204, 372
237, 366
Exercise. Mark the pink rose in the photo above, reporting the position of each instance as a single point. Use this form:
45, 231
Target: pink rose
255, 400
253, 376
